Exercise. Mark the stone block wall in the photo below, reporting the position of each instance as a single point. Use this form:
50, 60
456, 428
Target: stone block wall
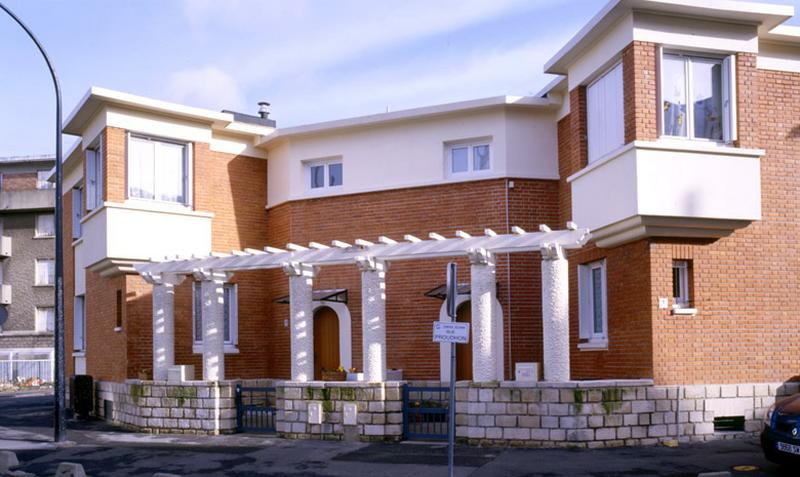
193, 407
379, 410
606, 413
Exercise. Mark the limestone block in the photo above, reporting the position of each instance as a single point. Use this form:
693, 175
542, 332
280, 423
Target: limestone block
549, 421
374, 430
573, 422
376, 406
595, 421
704, 428
643, 406
712, 390
659, 430
517, 408
656, 393
638, 432
540, 434
644, 419
529, 395
502, 395
580, 435
494, 433
558, 435
476, 432
477, 408
630, 419
613, 420
516, 433
558, 409
535, 409
393, 430
528, 421
488, 420
506, 421
605, 433
623, 433
486, 395
496, 408
550, 395
727, 390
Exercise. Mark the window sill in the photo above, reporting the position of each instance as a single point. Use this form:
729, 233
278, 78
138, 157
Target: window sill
229, 349
684, 311
38, 285
79, 354
77, 241
117, 329
40, 237
594, 345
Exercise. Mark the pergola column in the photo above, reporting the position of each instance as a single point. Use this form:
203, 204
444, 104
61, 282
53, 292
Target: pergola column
373, 317
484, 329
301, 319
213, 316
163, 322
555, 313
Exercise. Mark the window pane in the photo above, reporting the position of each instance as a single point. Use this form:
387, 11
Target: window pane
141, 169
707, 98
480, 158
673, 92
79, 325
45, 225
42, 182
169, 172
597, 299
45, 272
334, 174
676, 282
317, 177
459, 159
226, 312
198, 312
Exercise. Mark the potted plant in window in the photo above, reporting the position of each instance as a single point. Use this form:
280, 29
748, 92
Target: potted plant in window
144, 374
337, 374
354, 375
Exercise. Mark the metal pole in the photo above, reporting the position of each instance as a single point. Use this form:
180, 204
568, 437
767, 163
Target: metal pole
59, 416
452, 293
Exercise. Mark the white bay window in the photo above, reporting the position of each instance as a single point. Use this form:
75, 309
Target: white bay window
158, 170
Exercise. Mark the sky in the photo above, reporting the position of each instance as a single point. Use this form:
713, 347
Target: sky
314, 60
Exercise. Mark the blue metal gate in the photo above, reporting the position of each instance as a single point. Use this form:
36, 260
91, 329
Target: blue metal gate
255, 409
425, 412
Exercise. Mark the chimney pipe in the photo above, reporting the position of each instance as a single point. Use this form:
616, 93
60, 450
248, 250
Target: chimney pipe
263, 109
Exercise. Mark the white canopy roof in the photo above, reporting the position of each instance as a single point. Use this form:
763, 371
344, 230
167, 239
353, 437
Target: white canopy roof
339, 253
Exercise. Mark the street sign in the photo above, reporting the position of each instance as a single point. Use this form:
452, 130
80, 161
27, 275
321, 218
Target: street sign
450, 332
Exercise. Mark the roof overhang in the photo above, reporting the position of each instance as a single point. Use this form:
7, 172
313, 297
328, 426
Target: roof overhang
766, 15
426, 112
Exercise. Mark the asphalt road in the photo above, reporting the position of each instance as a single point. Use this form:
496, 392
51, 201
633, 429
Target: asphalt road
103, 450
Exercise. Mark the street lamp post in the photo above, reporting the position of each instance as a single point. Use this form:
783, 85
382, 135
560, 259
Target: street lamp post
60, 423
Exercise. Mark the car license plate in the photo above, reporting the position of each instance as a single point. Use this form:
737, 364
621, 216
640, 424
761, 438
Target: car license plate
791, 449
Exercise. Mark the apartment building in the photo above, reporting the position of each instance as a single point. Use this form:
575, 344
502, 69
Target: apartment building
27, 268
670, 135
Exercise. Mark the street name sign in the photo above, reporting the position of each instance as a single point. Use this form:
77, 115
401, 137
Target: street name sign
453, 332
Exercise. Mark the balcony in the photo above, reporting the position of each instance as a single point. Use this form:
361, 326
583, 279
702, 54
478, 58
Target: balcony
28, 199
117, 236
667, 189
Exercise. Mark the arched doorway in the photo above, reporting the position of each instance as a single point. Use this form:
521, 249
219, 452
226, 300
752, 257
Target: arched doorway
326, 340
464, 351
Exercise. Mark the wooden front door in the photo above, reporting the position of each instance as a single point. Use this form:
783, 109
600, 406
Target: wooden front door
464, 351
326, 341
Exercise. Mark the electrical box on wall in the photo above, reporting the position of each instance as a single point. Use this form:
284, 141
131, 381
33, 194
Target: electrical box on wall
350, 414
663, 303
315, 412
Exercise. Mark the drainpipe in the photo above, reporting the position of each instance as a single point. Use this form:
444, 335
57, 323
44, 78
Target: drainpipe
508, 293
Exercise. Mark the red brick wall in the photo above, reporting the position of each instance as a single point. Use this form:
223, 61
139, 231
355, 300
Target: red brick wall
19, 181
747, 104
106, 349
114, 170
639, 86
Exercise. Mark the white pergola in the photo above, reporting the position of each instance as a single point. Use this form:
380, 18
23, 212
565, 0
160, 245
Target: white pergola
302, 263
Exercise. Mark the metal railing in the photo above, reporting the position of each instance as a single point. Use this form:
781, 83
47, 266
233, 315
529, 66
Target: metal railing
18, 370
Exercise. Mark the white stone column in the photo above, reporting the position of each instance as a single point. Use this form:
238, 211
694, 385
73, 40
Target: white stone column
163, 322
213, 296
373, 317
301, 319
483, 288
555, 313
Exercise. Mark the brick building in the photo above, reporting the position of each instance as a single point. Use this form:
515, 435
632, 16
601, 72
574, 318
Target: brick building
670, 133
26, 268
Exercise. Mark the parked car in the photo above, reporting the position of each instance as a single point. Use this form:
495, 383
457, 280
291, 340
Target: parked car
780, 438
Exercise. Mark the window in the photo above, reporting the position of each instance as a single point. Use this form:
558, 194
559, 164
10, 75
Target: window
605, 114
94, 176
45, 225
680, 283
79, 324
77, 212
230, 312
158, 170
326, 174
118, 322
697, 97
42, 182
45, 272
469, 158
45, 318
593, 325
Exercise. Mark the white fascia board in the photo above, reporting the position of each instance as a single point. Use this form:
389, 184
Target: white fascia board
558, 83
767, 15
97, 97
788, 34
408, 114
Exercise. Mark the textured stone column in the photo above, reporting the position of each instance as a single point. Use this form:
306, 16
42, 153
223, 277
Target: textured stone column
555, 313
213, 296
163, 322
483, 288
301, 319
373, 317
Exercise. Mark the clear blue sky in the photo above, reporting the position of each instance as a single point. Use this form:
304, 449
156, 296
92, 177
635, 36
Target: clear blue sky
314, 60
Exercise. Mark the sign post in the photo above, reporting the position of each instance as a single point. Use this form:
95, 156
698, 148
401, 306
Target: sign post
451, 332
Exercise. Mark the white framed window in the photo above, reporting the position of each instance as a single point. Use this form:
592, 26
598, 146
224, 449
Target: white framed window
468, 157
325, 174
230, 307
45, 271
698, 97
605, 113
77, 211
159, 170
45, 318
680, 283
94, 176
42, 182
593, 306
79, 324
45, 225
